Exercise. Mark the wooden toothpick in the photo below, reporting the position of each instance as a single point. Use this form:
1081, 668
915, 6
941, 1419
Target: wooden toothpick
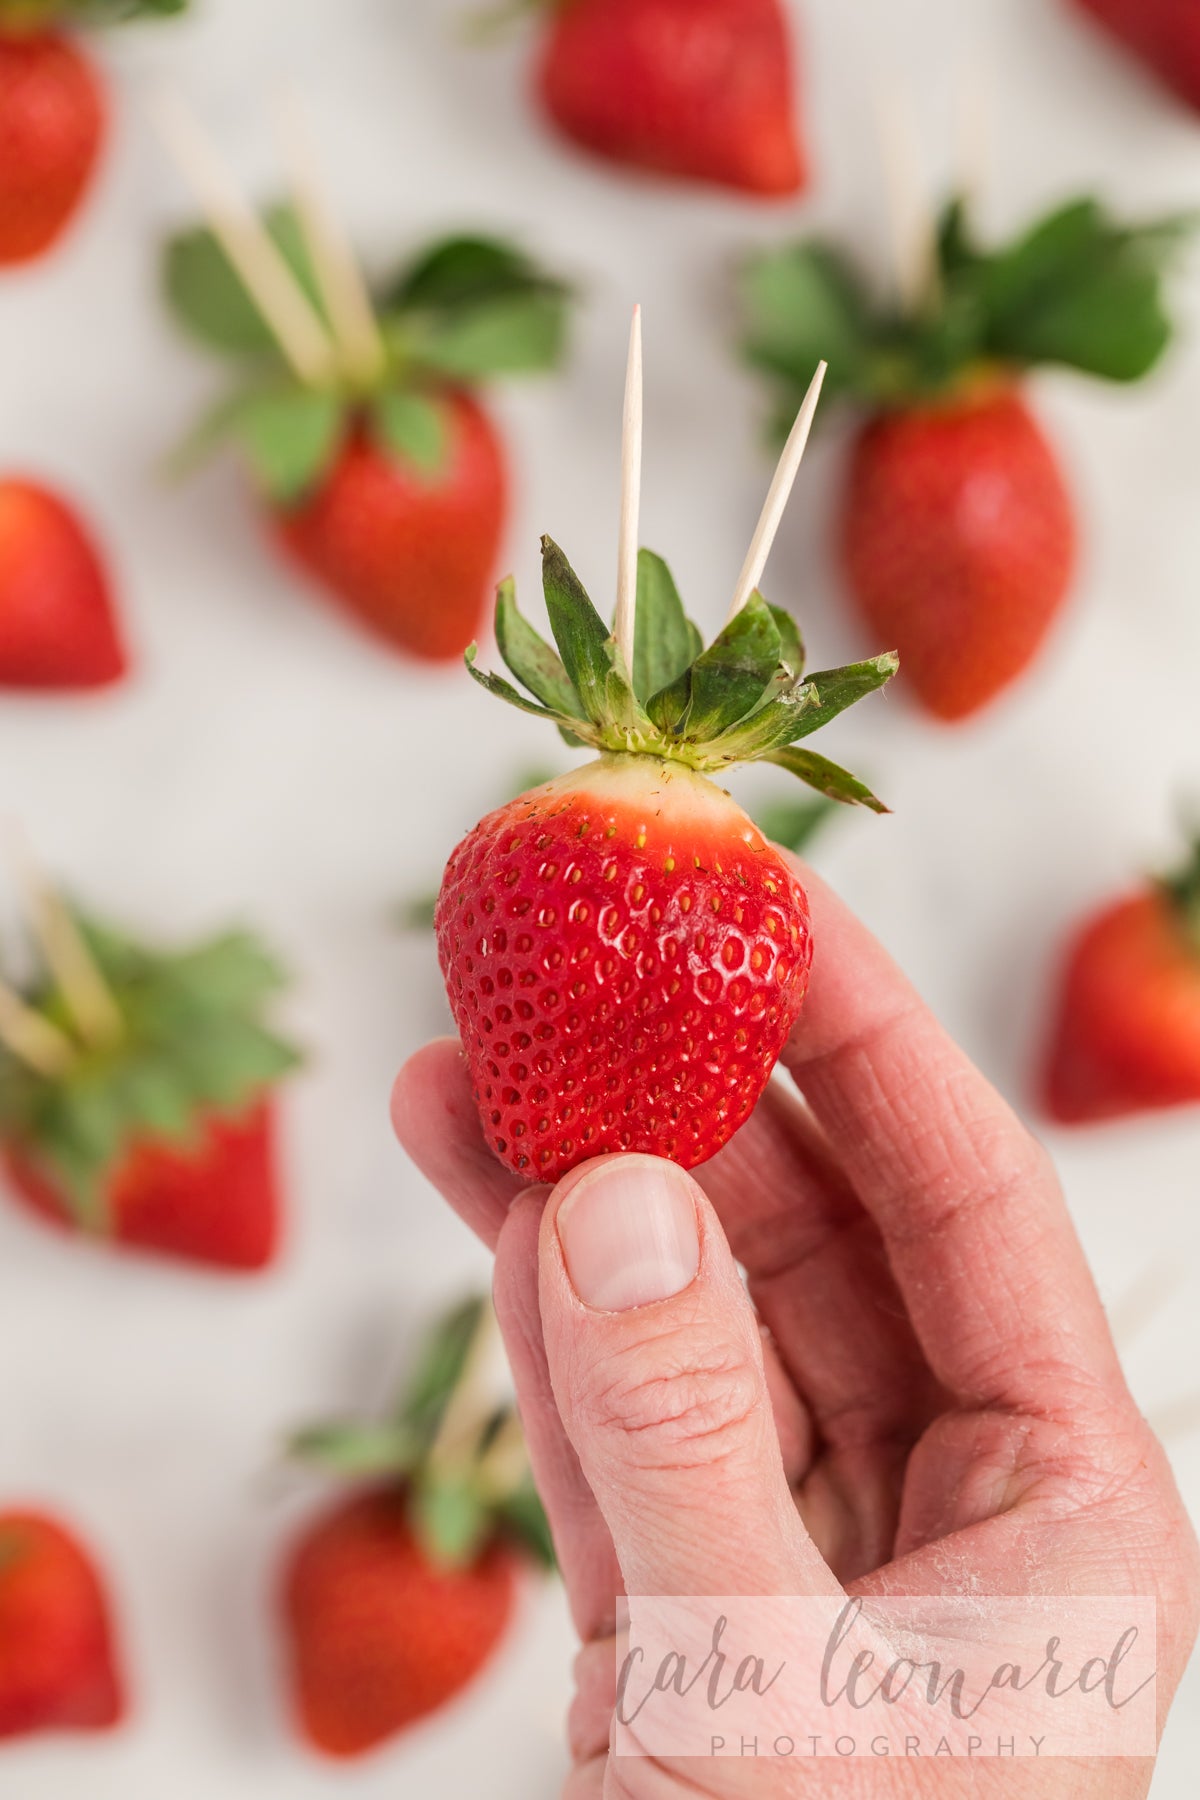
86, 994
631, 496
911, 217
777, 496
284, 305
343, 287
32, 1039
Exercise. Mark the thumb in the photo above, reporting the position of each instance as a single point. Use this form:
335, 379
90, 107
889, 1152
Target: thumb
656, 1362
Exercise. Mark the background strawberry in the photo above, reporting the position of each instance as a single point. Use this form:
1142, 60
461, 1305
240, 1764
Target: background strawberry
57, 1663
696, 88
135, 1093
1127, 1033
396, 1597
380, 470
624, 953
58, 626
956, 527
1164, 34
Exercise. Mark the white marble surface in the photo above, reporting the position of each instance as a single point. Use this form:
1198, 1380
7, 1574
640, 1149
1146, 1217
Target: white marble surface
268, 761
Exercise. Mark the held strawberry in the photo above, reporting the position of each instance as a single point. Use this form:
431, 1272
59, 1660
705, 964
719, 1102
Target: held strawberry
624, 952
58, 625
358, 416
57, 1660
701, 89
1127, 1034
956, 531
398, 1596
52, 116
1163, 34
136, 1092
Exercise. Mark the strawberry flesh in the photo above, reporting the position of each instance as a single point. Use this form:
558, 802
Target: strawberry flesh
57, 1668
1127, 1037
58, 628
625, 957
51, 129
380, 1636
958, 539
409, 554
695, 88
214, 1200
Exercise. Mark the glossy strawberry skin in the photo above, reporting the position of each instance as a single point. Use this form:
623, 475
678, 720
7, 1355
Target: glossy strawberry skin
378, 1636
1127, 1033
410, 555
57, 1666
693, 88
958, 539
625, 956
1165, 34
213, 1201
58, 627
51, 130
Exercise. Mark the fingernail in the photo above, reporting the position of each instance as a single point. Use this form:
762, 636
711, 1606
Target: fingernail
629, 1233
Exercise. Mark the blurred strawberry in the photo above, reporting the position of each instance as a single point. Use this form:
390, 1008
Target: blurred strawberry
379, 469
1127, 1034
398, 1596
136, 1092
58, 628
956, 527
1163, 34
57, 1665
694, 88
51, 115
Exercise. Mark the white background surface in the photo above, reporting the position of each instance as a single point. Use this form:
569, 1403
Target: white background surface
268, 762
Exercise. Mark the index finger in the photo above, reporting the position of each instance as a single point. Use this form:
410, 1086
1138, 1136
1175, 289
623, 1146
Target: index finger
971, 1212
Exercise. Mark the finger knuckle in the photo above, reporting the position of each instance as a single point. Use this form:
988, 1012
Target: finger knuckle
678, 1402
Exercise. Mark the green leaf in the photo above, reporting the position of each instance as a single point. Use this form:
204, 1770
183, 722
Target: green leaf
730, 677
665, 641
530, 658
207, 295
522, 1516
584, 641
827, 778
1082, 291
440, 1368
356, 1448
450, 1518
230, 1059
455, 271
474, 307
839, 688
291, 438
412, 427
804, 303
793, 823
504, 690
234, 971
791, 644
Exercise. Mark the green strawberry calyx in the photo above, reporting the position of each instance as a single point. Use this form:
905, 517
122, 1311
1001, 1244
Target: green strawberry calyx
465, 310
746, 698
1182, 889
182, 1039
1077, 289
459, 1459
19, 16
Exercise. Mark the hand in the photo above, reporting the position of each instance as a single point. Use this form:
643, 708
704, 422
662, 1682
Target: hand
918, 1393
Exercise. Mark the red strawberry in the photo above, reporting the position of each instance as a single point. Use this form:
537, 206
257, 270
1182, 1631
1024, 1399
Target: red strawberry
409, 555
958, 541
956, 527
697, 88
1165, 34
397, 1597
382, 473
57, 1667
212, 1201
135, 1093
624, 952
58, 628
1127, 1033
51, 129
381, 1635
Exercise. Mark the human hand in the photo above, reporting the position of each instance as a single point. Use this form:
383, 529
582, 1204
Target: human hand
918, 1394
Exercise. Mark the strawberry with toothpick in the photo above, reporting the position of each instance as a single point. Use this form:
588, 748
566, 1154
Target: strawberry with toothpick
52, 115
358, 416
625, 954
136, 1090
957, 532
398, 1596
